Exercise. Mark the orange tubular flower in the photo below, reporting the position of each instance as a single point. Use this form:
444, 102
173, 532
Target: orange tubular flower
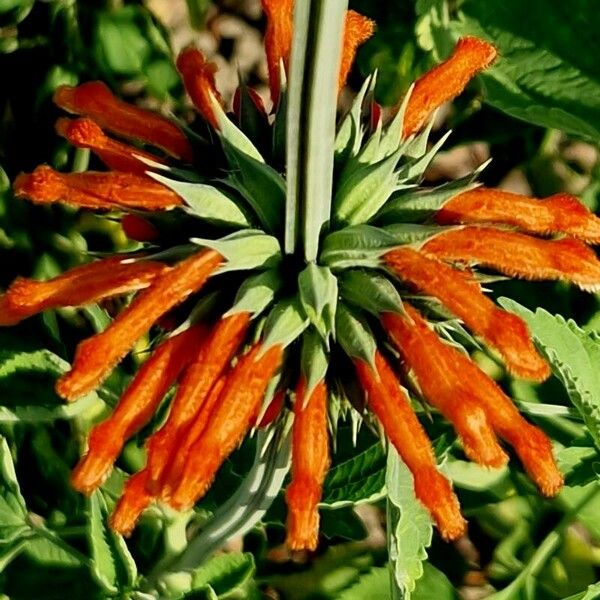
236, 411
310, 461
358, 29
199, 79
82, 285
103, 191
96, 356
96, 101
519, 255
139, 229
435, 363
135, 408
391, 406
85, 133
446, 81
278, 40
213, 357
131, 504
561, 213
504, 331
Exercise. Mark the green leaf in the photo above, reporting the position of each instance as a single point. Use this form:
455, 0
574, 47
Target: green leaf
358, 246
13, 512
355, 335
245, 250
314, 360
592, 593
207, 202
318, 291
257, 293
370, 291
528, 81
113, 565
224, 573
357, 480
364, 191
120, 42
312, 105
410, 529
375, 585
285, 324
259, 184
574, 356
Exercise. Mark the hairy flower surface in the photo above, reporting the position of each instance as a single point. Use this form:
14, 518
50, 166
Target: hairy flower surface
254, 329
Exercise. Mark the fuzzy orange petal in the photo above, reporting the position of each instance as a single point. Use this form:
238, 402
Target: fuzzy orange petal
561, 213
212, 359
278, 40
232, 417
530, 443
310, 461
199, 79
82, 285
519, 255
446, 81
96, 356
134, 500
462, 296
95, 100
390, 405
357, 30
136, 407
441, 386
103, 191
85, 133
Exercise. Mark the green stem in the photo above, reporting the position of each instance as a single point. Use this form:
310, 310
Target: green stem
546, 549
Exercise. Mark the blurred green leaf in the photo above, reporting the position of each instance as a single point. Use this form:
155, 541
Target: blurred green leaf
543, 44
224, 573
13, 513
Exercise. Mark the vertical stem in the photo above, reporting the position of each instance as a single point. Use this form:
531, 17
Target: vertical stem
313, 91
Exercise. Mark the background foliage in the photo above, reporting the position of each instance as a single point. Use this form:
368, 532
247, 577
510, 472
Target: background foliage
537, 113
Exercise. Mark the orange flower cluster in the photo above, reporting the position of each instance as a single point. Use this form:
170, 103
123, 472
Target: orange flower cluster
221, 373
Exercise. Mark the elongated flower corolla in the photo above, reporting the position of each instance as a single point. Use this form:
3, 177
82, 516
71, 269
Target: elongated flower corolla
221, 376
101, 191
199, 79
96, 356
136, 407
235, 412
82, 285
95, 100
390, 405
310, 460
446, 81
85, 133
561, 213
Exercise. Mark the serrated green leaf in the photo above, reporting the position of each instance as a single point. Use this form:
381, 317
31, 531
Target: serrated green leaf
574, 356
257, 293
314, 360
224, 573
412, 233
49, 553
370, 291
364, 191
357, 480
414, 169
245, 250
13, 512
355, 335
318, 292
410, 530
528, 80
285, 324
357, 246
207, 202
112, 563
